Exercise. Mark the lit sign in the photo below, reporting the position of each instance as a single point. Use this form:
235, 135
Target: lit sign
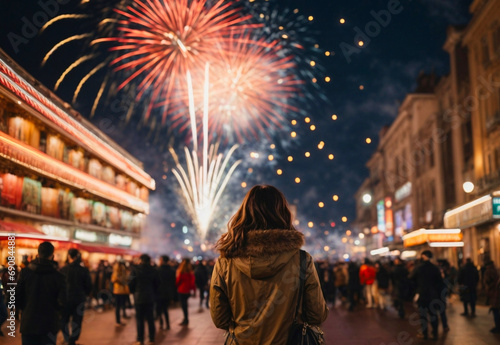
403, 192
496, 207
87, 236
389, 221
381, 216
119, 240
422, 236
52, 230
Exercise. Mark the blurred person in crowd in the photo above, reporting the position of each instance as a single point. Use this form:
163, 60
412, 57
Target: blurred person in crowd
166, 290
254, 290
428, 281
383, 279
444, 292
144, 283
120, 278
353, 284
367, 278
185, 282
41, 296
401, 286
468, 277
101, 285
327, 281
490, 278
341, 278
201, 280
78, 287
495, 306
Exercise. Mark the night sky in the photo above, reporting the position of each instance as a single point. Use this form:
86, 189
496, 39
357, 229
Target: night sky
365, 91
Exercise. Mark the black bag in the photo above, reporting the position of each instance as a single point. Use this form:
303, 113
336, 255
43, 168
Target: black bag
304, 333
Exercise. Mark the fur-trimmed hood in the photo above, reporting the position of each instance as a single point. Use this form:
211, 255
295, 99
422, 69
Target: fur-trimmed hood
267, 251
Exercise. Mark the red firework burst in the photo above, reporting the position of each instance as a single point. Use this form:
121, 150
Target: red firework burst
251, 87
161, 40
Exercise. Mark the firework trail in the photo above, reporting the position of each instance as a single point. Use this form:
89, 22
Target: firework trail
202, 183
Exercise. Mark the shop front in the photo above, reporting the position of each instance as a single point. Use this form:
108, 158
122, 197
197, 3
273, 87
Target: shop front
94, 245
446, 244
480, 221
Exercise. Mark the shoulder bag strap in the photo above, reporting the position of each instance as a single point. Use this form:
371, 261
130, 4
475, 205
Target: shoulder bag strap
302, 278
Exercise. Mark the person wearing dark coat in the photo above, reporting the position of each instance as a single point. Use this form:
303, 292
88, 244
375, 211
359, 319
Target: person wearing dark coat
429, 282
144, 285
401, 286
383, 279
495, 307
41, 295
468, 277
201, 281
353, 284
78, 287
166, 290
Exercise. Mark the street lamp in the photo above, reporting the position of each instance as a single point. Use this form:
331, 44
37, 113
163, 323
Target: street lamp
367, 198
468, 187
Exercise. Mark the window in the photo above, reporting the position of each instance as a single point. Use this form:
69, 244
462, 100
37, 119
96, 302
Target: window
467, 140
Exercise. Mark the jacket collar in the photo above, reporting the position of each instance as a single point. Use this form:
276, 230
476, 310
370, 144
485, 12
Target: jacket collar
270, 242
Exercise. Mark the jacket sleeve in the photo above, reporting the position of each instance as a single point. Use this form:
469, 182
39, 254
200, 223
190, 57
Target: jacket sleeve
220, 309
314, 303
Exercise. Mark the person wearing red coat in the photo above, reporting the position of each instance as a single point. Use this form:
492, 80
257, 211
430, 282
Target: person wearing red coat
185, 282
367, 275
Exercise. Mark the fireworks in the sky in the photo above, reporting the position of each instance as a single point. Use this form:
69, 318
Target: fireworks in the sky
155, 52
252, 90
203, 182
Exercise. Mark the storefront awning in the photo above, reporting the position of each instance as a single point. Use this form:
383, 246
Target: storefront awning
438, 237
478, 211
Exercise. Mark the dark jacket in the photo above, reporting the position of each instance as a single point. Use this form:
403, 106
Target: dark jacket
382, 278
144, 284
201, 276
353, 282
40, 295
400, 281
78, 283
428, 281
468, 276
167, 288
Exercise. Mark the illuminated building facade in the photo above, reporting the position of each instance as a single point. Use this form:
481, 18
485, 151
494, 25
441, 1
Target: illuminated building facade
477, 142
61, 178
453, 185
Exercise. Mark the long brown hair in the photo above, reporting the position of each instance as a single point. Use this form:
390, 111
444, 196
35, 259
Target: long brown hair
185, 267
263, 208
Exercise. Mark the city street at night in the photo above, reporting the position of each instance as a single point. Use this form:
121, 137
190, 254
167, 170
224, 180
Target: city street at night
360, 327
322, 171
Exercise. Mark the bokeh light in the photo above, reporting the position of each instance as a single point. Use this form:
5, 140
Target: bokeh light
335, 197
279, 172
243, 185
308, 154
290, 158
344, 219
310, 224
297, 180
321, 204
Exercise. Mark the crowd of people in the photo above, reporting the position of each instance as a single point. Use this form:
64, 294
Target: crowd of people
385, 283
52, 299
263, 287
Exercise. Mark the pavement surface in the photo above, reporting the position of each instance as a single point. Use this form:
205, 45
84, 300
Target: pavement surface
359, 327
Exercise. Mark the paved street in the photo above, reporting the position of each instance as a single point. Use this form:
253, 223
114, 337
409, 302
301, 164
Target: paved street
361, 327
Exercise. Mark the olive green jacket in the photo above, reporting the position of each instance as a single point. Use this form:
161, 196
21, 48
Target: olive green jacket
254, 292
